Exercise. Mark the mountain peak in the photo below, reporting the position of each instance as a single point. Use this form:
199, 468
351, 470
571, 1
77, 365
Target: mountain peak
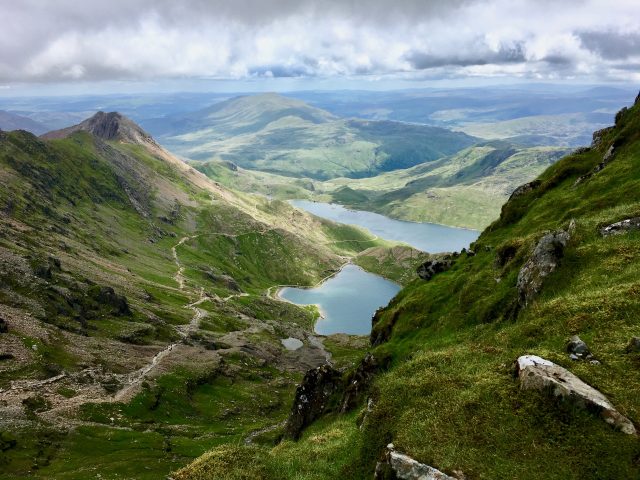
107, 126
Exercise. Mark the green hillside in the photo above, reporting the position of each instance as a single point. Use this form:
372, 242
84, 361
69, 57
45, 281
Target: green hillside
133, 291
444, 390
280, 135
466, 189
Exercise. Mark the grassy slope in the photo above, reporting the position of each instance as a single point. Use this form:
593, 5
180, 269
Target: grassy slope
450, 399
66, 198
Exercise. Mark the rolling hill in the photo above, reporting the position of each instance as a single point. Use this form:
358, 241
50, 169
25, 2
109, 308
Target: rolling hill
281, 135
11, 121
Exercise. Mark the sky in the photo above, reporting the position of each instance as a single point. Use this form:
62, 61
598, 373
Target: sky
115, 45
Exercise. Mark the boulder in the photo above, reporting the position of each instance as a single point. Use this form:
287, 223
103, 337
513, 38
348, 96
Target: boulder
536, 373
543, 261
432, 267
396, 465
599, 135
578, 350
633, 346
621, 227
526, 188
312, 399
4, 328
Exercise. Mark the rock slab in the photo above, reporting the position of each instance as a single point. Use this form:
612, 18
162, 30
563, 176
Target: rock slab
398, 465
536, 373
621, 227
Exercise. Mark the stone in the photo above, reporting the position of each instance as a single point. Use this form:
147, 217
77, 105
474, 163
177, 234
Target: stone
536, 373
4, 328
403, 467
578, 350
432, 267
633, 346
599, 135
359, 382
526, 188
542, 262
621, 227
312, 399
637, 102
107, 296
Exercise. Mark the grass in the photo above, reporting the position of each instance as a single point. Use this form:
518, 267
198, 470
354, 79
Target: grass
450, 399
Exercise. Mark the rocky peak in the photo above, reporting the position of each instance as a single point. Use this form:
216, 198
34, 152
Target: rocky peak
107, 126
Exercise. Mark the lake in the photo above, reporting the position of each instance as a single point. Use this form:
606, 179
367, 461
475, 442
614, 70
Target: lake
347, 301
428, 237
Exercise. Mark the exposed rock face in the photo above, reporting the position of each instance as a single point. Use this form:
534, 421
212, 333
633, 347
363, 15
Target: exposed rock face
578, 350
399, 466
543, 262
522, 189
598, 136
312, 398
432, 267
359, 382
107, 296
619, 228
633, 346
536, 373
381, 332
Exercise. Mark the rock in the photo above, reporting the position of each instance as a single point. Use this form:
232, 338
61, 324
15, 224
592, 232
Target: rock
621, 227
312, 398
578, 350
432, 267
4, 328
536, 373
397, 465
381, 332
620, 114
544, 260
637, 102
633, 346
224, 281
598, 136
359, 382
580, 150
526, 188
107, 296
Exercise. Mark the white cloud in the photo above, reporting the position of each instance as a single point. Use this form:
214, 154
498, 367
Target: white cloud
71, 40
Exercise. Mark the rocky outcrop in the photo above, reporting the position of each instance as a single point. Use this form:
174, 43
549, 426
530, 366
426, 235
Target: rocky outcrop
637, 102
526, 188
578, 349
4, 328
395, 465
599, 135
536, 373
432, 267
359, 382
380, 330
107, 296
606, 159
621, 227
633, 346
544, 260
312, 399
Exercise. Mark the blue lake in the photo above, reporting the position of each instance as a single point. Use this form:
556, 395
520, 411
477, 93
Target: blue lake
347, 301
428, 237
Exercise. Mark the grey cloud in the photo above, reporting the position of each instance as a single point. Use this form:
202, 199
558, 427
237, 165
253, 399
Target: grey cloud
485, 56
611, 45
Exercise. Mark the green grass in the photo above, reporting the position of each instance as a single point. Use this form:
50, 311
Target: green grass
450, 399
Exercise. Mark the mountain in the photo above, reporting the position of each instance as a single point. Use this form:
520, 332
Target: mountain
517, 359
284, 136
133, 291
11, 121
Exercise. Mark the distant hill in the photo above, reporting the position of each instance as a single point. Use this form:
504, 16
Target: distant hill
277, 134
10, 121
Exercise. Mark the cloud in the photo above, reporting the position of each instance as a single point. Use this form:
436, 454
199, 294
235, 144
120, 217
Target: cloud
91, 40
